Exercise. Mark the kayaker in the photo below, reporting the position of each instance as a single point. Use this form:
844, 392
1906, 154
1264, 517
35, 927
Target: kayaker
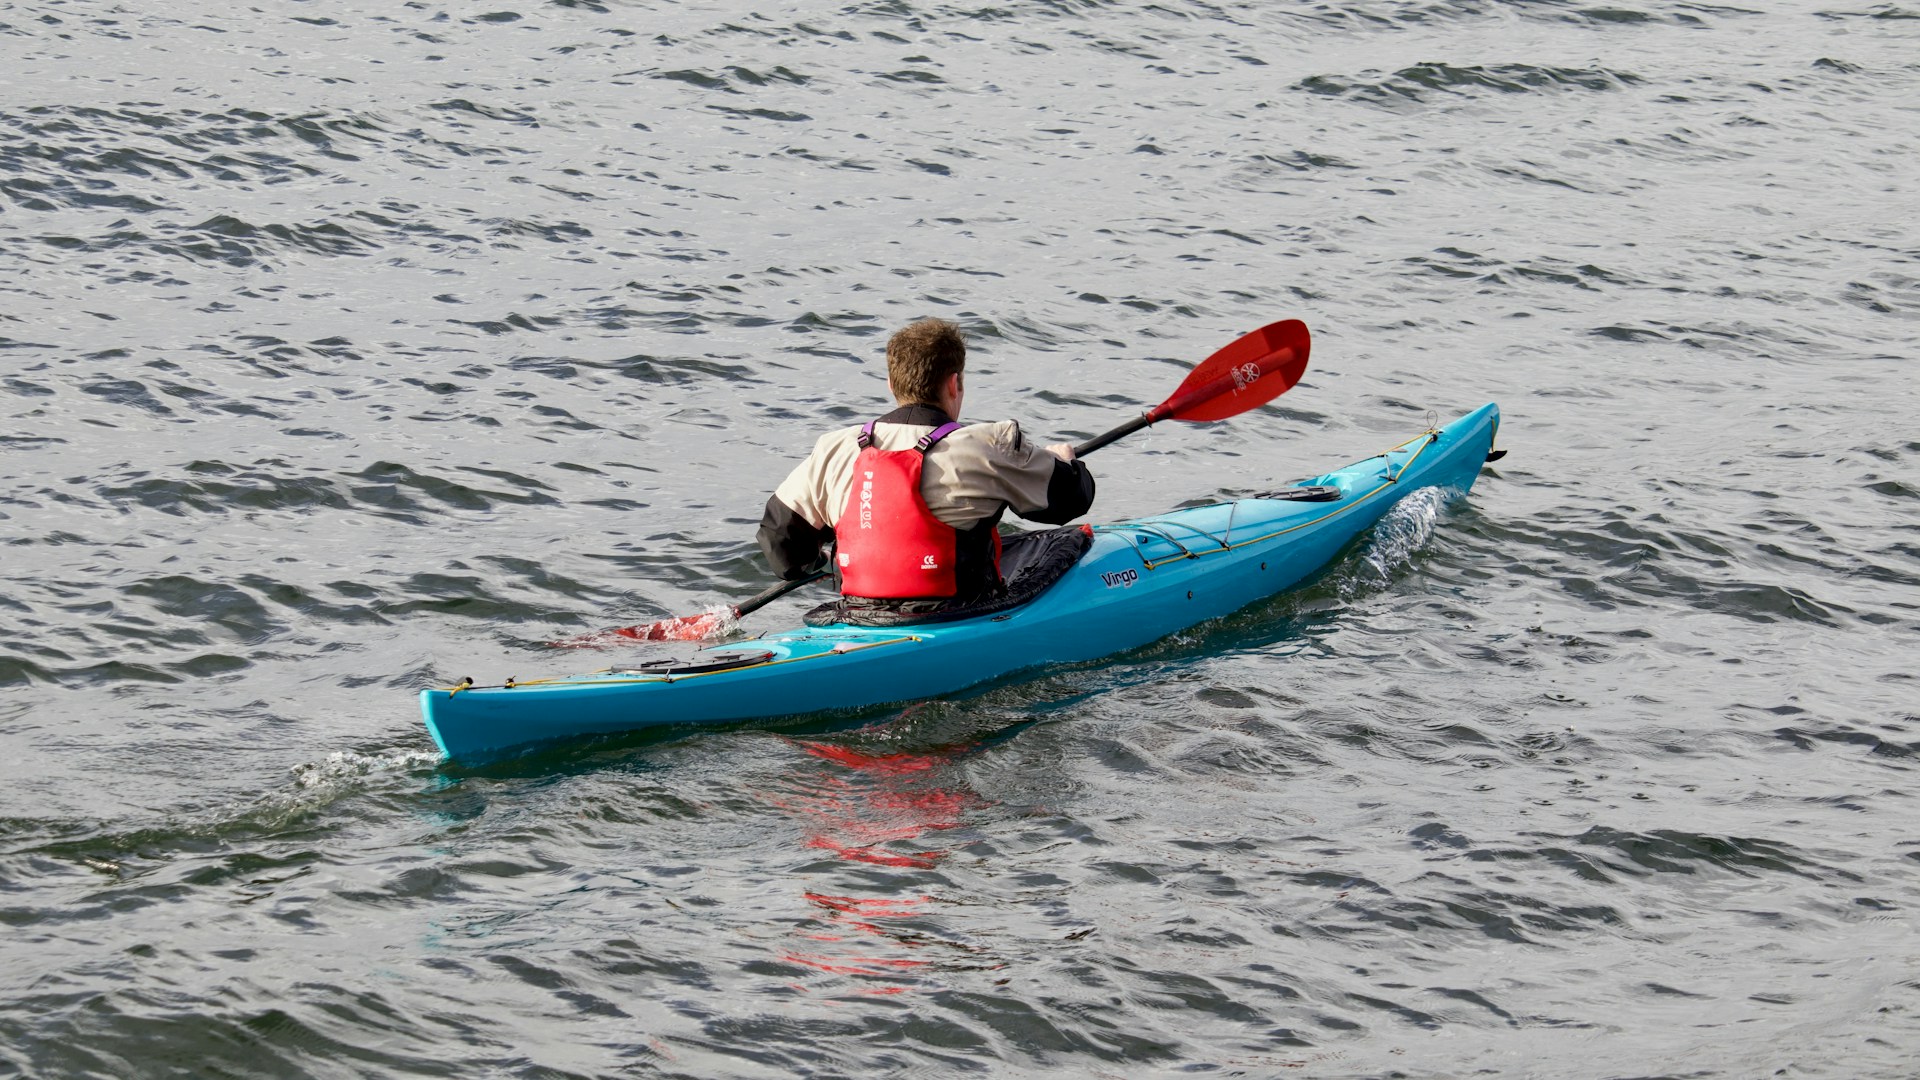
931, 492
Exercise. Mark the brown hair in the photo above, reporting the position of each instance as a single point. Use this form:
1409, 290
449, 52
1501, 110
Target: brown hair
920, 356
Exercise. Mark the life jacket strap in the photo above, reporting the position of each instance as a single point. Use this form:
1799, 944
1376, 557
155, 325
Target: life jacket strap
923, 444
926, 441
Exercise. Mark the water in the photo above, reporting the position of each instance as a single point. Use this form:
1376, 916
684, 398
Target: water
349, 349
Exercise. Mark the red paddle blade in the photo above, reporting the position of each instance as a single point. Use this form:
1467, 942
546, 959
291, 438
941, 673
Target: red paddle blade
684, 628
1246, 374
711, 624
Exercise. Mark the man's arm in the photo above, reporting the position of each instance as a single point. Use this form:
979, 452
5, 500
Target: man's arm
791, 543
788, 535
1069, 492
1042, 485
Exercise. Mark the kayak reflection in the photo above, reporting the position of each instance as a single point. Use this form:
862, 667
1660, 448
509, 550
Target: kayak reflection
877, 811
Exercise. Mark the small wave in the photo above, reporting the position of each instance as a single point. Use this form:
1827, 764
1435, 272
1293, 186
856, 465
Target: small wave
486, 112
1264, 169
383, 489
72, 152
1451, 264
1885, 294
1632, 562
778, 115
124, 849
1878, 13
393, 487
676, 370
1427, 83
1370, 15
1670, 851
233, 242
218, 488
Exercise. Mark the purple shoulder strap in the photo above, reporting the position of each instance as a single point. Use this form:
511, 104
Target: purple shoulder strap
926, 441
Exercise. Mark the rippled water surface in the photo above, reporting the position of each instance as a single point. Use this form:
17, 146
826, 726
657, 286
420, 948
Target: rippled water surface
352, 348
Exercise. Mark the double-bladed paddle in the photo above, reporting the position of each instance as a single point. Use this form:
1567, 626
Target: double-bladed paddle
1253, 370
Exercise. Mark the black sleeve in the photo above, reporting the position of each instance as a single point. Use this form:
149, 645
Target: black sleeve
1069, 494
792, 546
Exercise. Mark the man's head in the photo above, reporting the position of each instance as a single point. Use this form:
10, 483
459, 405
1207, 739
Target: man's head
924, 362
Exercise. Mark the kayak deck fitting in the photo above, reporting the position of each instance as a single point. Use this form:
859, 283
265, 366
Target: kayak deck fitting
1137, 582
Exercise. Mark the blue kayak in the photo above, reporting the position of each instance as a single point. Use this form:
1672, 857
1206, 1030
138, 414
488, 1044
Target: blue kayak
1136, 582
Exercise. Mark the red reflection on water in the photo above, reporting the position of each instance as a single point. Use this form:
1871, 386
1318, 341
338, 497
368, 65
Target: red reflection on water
858, 914
875, 763
921, 861
889, 798
862, 812
856, 965
872, 906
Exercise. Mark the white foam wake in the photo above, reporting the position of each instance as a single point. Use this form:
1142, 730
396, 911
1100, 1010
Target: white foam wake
1392, 543
343, 767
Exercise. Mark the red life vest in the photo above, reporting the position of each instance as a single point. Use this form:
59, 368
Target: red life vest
890, 546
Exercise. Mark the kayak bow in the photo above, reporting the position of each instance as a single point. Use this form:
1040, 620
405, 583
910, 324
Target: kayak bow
1138, 582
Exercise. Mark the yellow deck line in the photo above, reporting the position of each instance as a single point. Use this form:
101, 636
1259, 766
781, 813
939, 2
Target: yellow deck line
835, 651
1345, 505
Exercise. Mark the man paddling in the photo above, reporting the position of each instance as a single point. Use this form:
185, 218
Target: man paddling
912, 501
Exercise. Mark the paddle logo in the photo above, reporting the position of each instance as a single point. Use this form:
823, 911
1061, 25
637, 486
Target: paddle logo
1121, 579
1244, 376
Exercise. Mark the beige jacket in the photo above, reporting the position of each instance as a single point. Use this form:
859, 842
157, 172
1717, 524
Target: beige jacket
966, 478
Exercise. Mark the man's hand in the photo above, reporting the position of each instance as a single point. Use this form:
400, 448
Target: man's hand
1063, 451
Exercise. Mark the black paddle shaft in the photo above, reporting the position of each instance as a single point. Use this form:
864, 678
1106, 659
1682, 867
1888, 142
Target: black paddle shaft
1116, 434
761, 600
